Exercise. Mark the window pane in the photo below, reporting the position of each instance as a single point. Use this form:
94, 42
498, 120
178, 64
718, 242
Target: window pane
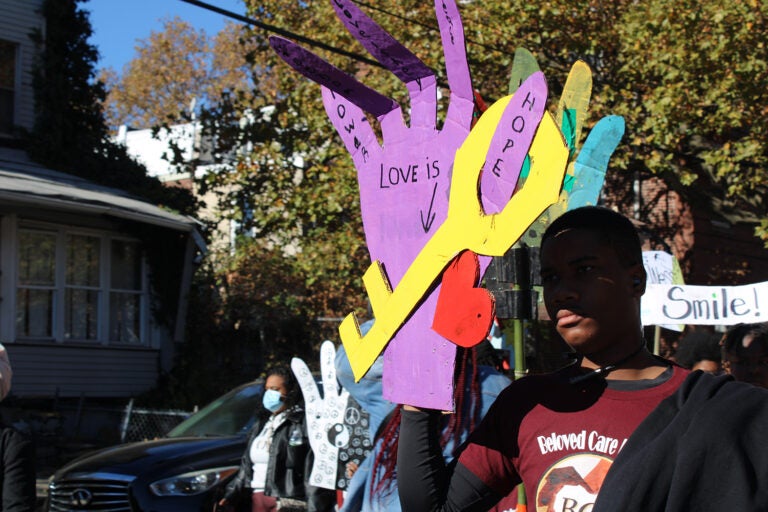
81, 314
124, 317
126, 265
37, 258
82, 260
34, 313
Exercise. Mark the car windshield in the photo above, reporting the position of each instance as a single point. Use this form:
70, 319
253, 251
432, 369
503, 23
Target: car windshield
231, 414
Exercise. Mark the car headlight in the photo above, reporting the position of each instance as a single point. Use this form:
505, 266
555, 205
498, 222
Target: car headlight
191, 483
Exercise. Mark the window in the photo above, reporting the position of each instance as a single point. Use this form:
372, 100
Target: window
7, 85
79, 287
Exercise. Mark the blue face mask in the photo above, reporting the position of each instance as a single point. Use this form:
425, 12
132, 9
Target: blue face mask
272, 400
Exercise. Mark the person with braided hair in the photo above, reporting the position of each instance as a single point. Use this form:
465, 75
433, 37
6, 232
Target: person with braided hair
373, 487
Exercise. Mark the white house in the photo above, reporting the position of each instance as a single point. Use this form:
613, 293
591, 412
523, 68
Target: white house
197, 152
76, 305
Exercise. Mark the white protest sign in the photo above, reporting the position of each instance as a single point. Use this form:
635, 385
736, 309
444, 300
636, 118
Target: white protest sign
704, 305
663, 268
659, 266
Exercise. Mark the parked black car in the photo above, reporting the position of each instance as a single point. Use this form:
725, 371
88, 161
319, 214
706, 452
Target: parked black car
184, 471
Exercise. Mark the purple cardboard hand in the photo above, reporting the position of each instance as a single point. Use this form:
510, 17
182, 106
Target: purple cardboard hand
405, 182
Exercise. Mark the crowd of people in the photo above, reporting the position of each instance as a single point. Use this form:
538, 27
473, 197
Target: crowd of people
742, 351
618, 429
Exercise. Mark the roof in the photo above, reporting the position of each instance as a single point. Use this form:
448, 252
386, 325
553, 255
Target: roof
27, 183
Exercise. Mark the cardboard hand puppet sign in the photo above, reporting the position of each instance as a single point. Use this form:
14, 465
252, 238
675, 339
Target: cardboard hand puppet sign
325, 416
428, 194
419, 196
588, 163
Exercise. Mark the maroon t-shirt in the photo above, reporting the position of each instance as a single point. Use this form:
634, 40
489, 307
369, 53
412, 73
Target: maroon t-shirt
559, 438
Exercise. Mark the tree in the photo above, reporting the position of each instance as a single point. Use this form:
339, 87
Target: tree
248, 313
67, 116
291, 190
283, 182
689, 82
159, 85
175, 73
700, 102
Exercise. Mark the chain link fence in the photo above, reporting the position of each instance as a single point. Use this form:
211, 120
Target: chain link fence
143, 424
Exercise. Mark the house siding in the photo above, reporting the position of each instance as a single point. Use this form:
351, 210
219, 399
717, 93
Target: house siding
727, 254
710, 251
47, 363
73, 371
19, 18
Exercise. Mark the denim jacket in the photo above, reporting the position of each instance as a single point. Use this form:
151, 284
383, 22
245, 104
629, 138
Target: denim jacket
369, 394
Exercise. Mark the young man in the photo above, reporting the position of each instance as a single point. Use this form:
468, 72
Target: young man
558, 433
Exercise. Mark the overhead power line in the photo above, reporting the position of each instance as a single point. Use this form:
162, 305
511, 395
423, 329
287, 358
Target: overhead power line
283, 32
425, 25
318, 44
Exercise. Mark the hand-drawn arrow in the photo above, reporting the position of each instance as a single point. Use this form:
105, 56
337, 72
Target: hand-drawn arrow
426, 225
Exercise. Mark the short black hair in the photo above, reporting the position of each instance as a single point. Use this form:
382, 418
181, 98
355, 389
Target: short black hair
294, 395
698, 346
613, 228
737, 333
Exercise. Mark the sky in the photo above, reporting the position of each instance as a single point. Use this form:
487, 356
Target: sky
119, 24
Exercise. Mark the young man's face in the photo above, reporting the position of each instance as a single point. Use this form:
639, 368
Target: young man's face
590, 295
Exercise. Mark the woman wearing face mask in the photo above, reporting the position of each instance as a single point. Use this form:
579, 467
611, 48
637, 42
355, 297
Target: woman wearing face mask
275, 467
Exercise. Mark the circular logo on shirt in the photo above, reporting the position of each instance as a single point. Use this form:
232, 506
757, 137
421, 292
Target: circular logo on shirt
572, 483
